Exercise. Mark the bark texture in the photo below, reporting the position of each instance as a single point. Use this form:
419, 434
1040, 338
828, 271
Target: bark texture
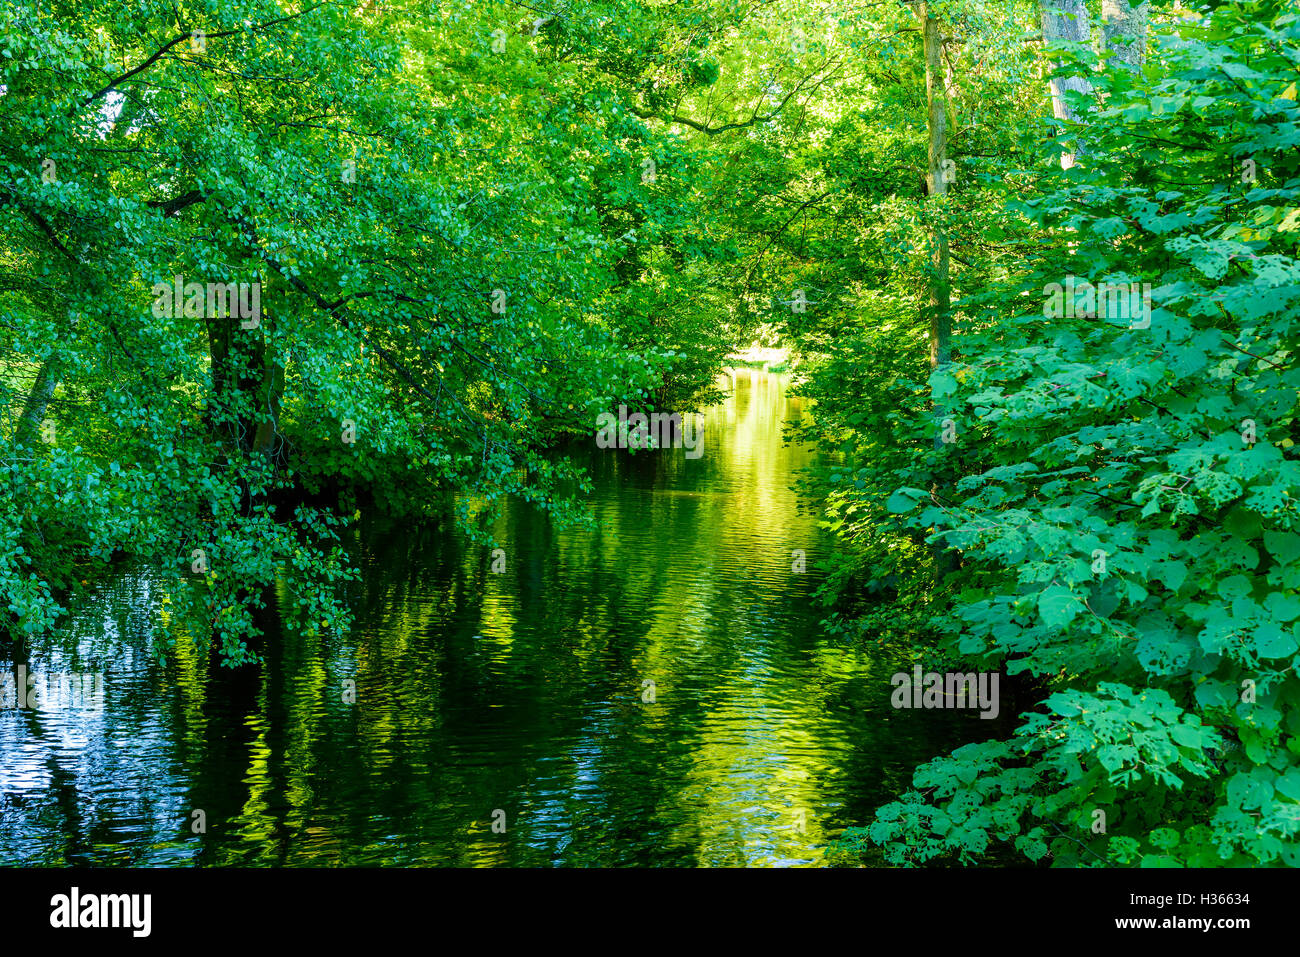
1067, 20
1124, 28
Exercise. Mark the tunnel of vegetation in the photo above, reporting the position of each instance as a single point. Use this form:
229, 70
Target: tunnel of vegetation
267, 263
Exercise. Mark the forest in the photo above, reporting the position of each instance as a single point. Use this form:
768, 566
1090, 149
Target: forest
531, 432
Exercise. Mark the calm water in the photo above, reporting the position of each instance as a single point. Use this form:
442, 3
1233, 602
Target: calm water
515, 698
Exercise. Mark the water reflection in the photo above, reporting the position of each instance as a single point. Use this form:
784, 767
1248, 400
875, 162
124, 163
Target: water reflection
655, 691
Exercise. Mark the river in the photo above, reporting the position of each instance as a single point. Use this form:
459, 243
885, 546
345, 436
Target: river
656, 691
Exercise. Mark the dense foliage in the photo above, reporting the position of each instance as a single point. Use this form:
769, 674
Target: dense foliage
475, 227
464, 247
1121, 484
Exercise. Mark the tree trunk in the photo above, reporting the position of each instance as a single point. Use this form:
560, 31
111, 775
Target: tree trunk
945, 560
1067, 20
247, 388
270, 394
29, 423
1124, 28
937, 125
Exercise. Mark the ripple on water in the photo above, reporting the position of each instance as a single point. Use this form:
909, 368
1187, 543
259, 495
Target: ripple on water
656, 691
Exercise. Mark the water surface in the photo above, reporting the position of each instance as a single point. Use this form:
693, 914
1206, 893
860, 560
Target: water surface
656, 691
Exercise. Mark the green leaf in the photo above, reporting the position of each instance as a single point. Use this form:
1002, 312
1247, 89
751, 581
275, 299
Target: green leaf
1058, 606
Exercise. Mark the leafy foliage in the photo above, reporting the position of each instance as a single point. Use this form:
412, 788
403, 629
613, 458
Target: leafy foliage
1125, 501
459, 257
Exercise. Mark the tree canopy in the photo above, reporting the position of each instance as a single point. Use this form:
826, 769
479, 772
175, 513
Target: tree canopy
264, 262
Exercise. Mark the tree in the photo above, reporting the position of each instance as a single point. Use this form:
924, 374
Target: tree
445, 288
1124, 31
1067, 20
1129, 539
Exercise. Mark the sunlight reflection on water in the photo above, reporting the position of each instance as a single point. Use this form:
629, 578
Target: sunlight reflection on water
522, 693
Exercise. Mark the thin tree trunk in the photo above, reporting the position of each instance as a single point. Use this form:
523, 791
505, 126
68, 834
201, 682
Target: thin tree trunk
1067, 20
945, 560
29, 423
937, 125
270, 394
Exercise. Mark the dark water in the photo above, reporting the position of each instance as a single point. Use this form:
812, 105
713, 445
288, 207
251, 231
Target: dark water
519, 698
